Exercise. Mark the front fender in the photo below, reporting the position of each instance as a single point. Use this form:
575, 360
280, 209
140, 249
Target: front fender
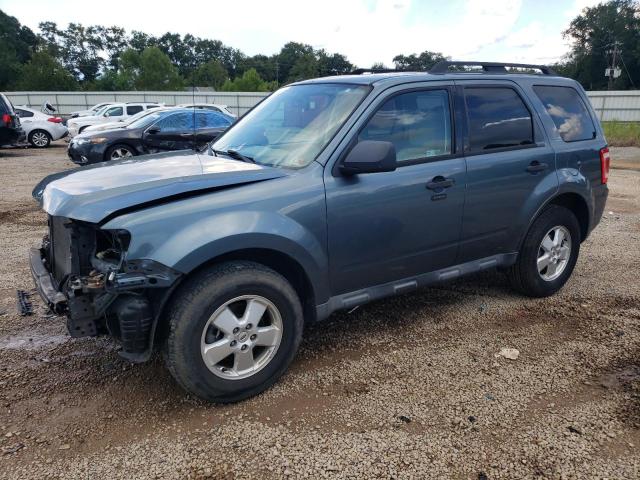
192, 243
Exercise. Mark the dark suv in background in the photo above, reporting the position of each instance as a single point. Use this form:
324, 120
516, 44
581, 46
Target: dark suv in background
11, 131
329, 194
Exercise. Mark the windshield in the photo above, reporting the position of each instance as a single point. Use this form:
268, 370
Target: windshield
102, 110
291, 127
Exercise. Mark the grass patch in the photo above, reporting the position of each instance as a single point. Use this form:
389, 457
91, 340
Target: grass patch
622, 134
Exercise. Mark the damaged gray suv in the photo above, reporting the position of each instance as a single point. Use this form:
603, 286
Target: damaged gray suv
329, 194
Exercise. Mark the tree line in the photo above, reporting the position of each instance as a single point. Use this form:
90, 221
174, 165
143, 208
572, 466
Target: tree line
95, 57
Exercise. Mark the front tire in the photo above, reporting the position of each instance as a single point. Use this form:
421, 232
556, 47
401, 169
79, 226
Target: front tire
548, 254
233, 331
116, 152
39, 138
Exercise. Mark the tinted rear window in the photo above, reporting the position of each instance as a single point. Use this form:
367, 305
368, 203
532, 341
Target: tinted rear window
5, 104
133, 109
498, 118
568, 112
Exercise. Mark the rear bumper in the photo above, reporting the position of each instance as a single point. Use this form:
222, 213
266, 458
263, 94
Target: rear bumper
45, 283
600, 195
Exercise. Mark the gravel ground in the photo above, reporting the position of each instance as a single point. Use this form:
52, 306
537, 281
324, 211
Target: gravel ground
409, 387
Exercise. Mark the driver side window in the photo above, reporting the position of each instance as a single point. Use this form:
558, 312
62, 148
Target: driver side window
178, 122
418, 124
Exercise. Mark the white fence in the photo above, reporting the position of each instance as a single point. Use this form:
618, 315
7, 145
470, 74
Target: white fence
67, 102
613, 105
621, 105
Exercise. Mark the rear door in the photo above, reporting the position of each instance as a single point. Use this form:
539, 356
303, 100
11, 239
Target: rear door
210, 124
510, 167
389, 226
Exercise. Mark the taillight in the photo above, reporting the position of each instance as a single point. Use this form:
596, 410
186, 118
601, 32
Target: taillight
6, 119
605, 161
54, 120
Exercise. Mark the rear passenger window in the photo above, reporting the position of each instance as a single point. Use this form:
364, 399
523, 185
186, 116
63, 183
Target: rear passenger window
417, 123
498, 118
133, 109
568, 112
211, 119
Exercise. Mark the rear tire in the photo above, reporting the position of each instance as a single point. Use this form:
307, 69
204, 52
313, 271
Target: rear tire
39, 138
548, 254
211, 313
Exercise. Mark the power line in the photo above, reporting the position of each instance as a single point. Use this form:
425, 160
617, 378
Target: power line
627, 70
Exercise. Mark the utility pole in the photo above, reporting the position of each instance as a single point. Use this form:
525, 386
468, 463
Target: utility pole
277, 73
613, 71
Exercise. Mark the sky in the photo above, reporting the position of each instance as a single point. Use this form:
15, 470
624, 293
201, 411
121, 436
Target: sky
366, 31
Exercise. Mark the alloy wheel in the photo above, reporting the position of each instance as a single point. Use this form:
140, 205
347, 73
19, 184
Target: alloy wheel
241, 337
40, 139
121, 153
554, 253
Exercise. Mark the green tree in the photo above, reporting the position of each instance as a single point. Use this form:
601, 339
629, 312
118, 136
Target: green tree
210, 74
334, 64
249, 82
45, 73
156, 72
292, 54
77, 47
423, 61
18, 43
593, 34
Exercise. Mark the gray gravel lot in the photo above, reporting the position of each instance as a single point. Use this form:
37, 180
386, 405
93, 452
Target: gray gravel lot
409, 387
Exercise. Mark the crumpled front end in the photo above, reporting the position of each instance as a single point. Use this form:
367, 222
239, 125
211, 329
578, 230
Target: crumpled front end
82, 271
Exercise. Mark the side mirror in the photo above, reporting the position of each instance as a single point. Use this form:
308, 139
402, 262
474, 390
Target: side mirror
370, 156
153, 130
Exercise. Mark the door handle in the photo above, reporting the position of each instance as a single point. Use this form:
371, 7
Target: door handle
440, 182
187, 134
535, 167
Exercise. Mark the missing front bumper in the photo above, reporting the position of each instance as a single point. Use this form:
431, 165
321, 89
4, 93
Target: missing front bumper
44, 281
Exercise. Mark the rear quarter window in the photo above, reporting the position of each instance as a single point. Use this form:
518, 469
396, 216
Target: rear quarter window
568, 112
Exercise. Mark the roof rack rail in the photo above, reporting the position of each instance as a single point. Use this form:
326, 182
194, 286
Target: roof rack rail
360, 71
489, 67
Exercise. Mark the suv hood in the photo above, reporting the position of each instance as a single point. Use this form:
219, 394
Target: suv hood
95, 192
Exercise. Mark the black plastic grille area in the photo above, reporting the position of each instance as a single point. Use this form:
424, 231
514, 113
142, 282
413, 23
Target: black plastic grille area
60, 247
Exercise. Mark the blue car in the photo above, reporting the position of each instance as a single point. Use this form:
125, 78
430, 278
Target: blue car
329, 194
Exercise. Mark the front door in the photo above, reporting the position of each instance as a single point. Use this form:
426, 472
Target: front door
394, 225
173, 132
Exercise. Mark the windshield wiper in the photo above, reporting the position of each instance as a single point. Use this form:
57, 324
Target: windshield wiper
234, 154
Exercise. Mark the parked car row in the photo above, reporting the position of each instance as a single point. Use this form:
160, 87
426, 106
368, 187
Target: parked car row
112, 112
39, 128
